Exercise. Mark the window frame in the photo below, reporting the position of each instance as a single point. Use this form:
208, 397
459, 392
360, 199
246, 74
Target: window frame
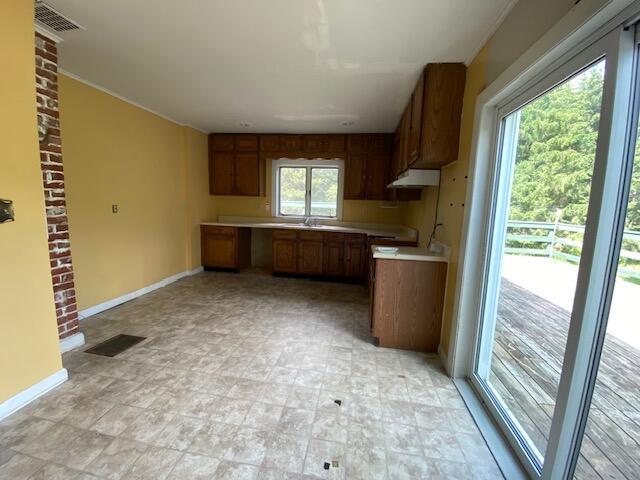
597, 272
309, 165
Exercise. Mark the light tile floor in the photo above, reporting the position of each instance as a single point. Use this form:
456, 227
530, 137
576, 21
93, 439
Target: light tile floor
246, 377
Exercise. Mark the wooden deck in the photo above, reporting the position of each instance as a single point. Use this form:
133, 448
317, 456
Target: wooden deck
530, 338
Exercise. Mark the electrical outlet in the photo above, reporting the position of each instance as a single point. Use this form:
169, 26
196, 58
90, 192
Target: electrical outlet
114, 208
6, 211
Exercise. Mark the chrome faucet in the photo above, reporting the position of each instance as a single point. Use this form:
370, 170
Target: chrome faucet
310, 222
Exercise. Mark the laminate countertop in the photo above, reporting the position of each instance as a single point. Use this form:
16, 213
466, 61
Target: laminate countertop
417, 254
393, 232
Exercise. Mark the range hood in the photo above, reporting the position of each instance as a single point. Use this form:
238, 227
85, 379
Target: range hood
416, 178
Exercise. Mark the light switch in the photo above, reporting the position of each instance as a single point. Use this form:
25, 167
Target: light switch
114, 208
6, 211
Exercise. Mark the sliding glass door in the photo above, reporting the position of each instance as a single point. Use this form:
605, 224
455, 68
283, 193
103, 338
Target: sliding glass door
556, 239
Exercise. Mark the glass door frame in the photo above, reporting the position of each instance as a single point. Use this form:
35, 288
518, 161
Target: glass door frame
596, 272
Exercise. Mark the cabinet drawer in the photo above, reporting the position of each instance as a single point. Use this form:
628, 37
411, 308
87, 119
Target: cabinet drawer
331, 237
284, 234
310, 236
218, 230
221, 143
356, 238
246, 143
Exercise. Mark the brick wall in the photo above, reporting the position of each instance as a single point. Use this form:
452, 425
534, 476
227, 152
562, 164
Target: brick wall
53, 182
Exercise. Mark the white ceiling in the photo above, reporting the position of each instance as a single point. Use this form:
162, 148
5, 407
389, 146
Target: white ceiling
281, 65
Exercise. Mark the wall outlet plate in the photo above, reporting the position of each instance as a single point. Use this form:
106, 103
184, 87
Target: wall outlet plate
6, 211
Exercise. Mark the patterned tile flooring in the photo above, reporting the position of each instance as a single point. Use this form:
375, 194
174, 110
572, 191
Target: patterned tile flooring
246, 377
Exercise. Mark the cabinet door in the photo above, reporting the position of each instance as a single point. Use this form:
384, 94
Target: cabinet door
334, 259
247, 174
221, 142
377, 167
246, 143
354, 260
380, 143
334, 143
357, 143
442, 106
310, 258
415, 127
221, 173
219, 251
355, 177
290, 143
312, 143
405, 127
284, 256
269, 143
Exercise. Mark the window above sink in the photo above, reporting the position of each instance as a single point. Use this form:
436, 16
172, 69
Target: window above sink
303, 188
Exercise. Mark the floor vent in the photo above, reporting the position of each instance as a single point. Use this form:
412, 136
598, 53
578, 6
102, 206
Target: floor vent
115, 345
53, 19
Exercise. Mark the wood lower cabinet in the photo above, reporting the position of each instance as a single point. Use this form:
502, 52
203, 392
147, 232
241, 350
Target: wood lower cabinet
329, 254
310, 255
407, 300
334, 255
284, 251
355, 255
225, 247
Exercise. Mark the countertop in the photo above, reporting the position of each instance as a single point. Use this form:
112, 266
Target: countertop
418, 254
394, 232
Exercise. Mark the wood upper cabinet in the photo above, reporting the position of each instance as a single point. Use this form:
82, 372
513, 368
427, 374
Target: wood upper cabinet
444, 91
247, 174
225, 247
234, 165
269, 143
405, 131
376, 179
221, 173
291, 143
334, 143
367, 166
246, 143
428, 132
415, 125
357, 143
312, 143
355, 176
221, 143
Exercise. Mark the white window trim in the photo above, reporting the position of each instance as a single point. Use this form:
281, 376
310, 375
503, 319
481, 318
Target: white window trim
307, 163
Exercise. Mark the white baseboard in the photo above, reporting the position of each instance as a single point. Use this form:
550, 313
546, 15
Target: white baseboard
101, 307
74, 341
445, 361
27, 396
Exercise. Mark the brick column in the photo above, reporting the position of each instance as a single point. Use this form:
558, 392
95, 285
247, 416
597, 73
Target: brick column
53, 182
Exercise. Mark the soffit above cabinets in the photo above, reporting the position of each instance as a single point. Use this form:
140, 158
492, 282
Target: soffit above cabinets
282, 66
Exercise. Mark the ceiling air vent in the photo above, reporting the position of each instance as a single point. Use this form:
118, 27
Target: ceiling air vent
53, 19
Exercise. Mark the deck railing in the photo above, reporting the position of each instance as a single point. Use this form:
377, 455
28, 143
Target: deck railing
564, 240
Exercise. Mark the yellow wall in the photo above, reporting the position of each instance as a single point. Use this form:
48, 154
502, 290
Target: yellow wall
200, 205
453, 186
115, 152
29, 348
